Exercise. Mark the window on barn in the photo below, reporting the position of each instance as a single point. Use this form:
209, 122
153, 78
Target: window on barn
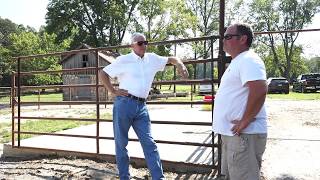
85, 61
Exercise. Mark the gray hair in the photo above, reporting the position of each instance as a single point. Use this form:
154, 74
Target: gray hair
135, 35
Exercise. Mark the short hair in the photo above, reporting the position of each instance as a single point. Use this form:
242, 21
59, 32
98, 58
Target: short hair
135, 35
245, 29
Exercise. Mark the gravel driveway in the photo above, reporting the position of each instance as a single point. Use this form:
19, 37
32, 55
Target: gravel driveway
291, 154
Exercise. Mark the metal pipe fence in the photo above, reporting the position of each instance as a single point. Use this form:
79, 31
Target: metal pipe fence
19, 101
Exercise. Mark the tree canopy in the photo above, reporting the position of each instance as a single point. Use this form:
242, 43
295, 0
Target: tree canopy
282, 15
97, 23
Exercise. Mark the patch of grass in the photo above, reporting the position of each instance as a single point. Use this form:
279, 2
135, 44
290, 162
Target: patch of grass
175, 99
206, 107
179, 88
47, 126
5, 111
48, 97
295, 96
52, 97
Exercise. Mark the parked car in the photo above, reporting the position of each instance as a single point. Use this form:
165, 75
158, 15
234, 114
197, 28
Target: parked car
278, 85
205, 89
307, 82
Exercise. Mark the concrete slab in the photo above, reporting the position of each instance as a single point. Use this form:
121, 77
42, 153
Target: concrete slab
169, 152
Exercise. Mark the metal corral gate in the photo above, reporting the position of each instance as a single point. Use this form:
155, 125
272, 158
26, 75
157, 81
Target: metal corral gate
18, 87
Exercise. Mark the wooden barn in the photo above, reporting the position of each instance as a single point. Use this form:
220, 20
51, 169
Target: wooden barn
84, 60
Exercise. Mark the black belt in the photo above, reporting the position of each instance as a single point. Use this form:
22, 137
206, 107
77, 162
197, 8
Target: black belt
136, 98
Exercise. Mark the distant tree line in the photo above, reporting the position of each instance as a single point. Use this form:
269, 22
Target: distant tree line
106, 22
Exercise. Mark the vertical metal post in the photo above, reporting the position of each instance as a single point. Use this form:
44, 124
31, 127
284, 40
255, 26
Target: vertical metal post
97, 103
174, 78
10, 99
212, 102
191, 94
38, 99
175, 69
69, 97
211, 75
107, 97
195, 70
12, 108
221, 68
19, 98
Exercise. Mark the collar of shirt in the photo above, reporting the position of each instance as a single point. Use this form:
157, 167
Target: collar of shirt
138, 57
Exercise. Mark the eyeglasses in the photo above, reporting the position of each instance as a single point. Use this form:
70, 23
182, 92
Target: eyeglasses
229, 36
140, 43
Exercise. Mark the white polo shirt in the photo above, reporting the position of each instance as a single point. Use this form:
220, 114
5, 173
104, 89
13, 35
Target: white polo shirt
136, 74
231, 98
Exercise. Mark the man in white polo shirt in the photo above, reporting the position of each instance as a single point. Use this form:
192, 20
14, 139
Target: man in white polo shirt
135, 73
239, 111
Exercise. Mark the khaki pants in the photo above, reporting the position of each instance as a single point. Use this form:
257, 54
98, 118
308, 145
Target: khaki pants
242, 156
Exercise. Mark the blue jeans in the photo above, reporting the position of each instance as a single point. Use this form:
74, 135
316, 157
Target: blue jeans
129, 112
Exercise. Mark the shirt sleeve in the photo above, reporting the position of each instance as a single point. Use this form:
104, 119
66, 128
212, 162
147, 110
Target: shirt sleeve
252, 70
160, 62
113, 69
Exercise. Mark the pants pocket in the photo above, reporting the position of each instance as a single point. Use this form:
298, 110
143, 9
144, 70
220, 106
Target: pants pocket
238, 148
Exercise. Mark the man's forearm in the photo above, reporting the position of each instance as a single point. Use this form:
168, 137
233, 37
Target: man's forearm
254, 104
182, 70
105, 79
256, 98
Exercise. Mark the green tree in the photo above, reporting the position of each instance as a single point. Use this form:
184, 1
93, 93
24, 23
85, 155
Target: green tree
284, 15
29, 43
298, 65
313, 64
206, 23
6, 28
162, 20
97, 23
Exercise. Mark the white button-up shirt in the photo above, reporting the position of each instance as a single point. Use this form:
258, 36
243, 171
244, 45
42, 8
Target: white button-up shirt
136, 74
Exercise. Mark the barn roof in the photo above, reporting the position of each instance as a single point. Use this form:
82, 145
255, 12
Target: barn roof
108, 56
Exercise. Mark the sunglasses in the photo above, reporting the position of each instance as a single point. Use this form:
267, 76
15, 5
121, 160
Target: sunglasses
140, 43
229, 36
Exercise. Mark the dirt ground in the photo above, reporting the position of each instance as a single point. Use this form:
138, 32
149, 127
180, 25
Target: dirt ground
291, 154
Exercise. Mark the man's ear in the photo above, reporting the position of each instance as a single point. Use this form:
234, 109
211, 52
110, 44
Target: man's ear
244, 39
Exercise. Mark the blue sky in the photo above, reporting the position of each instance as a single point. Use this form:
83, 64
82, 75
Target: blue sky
32, 13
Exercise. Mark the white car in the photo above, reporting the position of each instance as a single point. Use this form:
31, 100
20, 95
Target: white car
205, 89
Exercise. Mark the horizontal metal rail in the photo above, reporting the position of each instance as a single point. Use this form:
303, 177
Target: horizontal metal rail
178, 41
111, 102
117, 47
181, 82
189, 61
110, 120
112, 138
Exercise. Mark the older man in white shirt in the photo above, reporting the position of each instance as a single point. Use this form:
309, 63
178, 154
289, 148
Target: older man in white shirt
135, 72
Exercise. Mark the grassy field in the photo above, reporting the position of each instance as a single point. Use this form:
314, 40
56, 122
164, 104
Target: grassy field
47, 126
48, 97
295, 96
